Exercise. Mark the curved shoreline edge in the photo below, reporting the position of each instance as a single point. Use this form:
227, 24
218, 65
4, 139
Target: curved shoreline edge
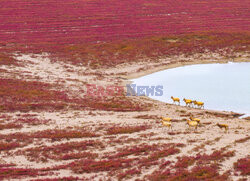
195, 62
181, 64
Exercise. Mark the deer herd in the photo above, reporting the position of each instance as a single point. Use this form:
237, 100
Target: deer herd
189, 102
191, 122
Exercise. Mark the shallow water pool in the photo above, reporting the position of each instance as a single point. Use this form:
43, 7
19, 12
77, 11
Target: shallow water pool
223, 87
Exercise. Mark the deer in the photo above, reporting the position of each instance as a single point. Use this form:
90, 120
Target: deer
199, 104
192, 124
167, 123
175, 99
221, 126
195, 119
166, 119
188, 102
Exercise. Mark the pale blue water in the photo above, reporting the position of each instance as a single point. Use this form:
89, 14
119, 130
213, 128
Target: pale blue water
219, 86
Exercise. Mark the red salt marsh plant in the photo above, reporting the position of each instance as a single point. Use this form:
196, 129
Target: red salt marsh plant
20, 95
243, 140
8, 145
206, 167
164, 164
20, 90
159, 28
7, 60
175, 133
12, 141
163, 153
128, 173
32, 121
80, 155
64, 151
243, 166
147, 135
10, 126
64, 25
146, 116
126, 129
197, 173
120, 103
184, 162
142, 149
11, 173
58, 134
201, 173
6, 165
60, 179
217, 155
116, 164
123, 140
87, 166
154, 151
159, 151
111, 53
